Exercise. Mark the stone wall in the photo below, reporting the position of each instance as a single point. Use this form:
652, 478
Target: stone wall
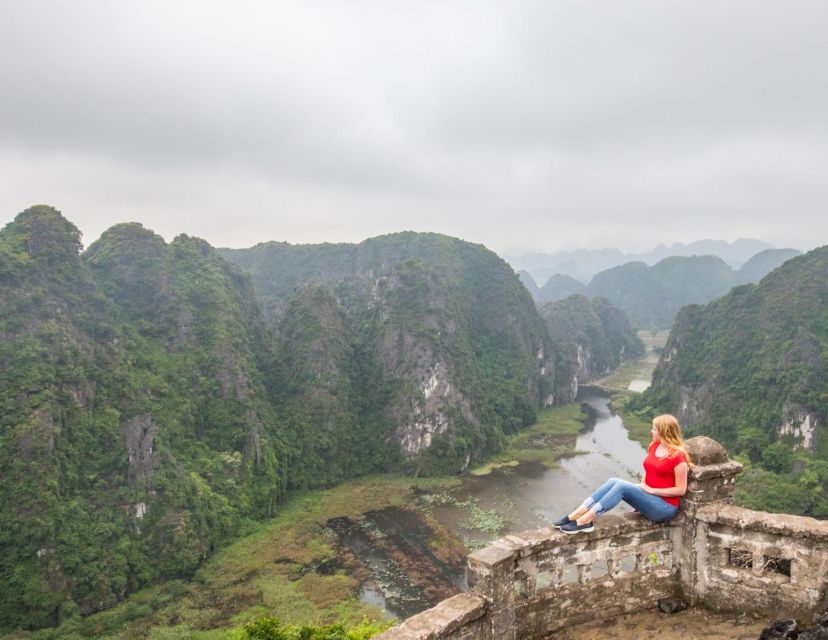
528, 586
561, 580
462, 617
756, 560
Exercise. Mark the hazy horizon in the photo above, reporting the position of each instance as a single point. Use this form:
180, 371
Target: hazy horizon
508, 252
532, 126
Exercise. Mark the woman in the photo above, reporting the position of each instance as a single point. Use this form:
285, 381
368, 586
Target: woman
656, 497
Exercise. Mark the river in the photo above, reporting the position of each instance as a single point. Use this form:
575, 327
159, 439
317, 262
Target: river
510, 499
530, 495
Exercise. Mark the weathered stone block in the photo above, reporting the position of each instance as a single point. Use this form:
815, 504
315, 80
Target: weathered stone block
447, 618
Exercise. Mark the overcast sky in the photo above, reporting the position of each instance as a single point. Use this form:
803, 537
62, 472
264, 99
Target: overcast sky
541, 125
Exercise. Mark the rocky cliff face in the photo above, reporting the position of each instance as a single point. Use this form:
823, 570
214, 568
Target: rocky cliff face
447, 352
148, 405
136, 430
592, 336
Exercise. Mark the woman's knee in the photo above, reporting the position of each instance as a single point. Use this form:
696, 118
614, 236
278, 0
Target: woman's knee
631, 488
624, 484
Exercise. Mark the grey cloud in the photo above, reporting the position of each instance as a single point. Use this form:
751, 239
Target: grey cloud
539, 123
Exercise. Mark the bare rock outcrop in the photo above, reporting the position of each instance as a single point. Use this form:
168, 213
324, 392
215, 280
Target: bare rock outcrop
139, 437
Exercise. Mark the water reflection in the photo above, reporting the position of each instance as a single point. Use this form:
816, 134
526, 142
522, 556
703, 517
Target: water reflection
531, 495
639, 385
528, 496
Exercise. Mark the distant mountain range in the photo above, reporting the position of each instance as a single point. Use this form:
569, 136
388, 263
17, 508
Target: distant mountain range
652, 295
584, 264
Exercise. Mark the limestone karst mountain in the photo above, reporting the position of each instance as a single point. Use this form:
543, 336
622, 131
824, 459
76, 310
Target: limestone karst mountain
136, 428
751, 370
152, 399
558, 287
762, 264
651, 296
444, 344
594, 336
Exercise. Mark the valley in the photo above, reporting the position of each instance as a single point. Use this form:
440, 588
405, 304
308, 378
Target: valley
322, 432
636, 375
382, 546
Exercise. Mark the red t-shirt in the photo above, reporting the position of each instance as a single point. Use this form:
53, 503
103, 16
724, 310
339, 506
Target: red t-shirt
660, 473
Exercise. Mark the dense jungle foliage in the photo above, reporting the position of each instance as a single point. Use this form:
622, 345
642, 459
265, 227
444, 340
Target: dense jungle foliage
150, 411
751, 370
431, 330
135, 433
274, 629
594, 335
651, 296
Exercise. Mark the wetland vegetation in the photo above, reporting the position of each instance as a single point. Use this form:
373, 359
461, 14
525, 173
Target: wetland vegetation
311, 563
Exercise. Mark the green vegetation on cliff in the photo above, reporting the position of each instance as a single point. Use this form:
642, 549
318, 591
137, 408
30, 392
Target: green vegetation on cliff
558, 287
751, 370
294, 567
427, 333
150, 412
135, 432
592, 335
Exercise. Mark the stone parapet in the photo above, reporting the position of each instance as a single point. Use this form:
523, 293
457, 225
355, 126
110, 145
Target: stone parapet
624, 565
461, 617
530, 585
712, 478
764, 561
775, 524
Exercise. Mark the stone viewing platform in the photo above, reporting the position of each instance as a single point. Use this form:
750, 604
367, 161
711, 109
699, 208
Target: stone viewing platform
531, 585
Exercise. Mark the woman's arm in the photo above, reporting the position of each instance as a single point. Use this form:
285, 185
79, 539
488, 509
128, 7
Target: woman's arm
681, 483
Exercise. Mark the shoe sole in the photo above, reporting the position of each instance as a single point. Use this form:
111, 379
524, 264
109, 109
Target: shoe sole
579, 531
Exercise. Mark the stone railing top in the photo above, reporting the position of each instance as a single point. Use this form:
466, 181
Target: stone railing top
710, 460
528, 543
448, 616
705, 451
779, 524
718, 470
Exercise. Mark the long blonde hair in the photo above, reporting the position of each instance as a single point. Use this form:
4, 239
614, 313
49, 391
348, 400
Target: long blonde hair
669, 432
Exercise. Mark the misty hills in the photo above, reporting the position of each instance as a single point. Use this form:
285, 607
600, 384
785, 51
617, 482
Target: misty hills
652, 295
584, 264
557, 287
593, 336
750, 369
154, 396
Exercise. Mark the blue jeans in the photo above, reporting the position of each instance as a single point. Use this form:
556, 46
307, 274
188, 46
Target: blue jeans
615, 490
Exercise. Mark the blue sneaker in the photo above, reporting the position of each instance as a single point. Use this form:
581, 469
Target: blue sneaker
574, 527
561, 522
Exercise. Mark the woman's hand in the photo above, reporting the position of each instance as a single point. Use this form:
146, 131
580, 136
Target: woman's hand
681, 484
